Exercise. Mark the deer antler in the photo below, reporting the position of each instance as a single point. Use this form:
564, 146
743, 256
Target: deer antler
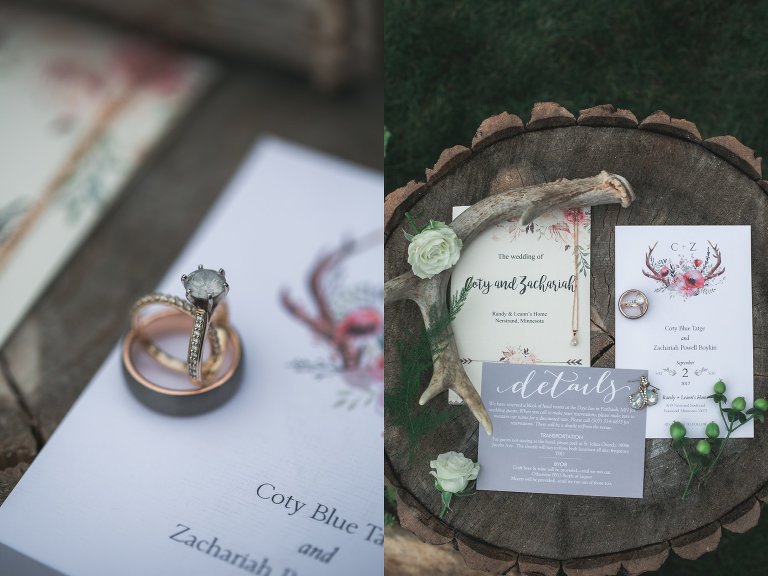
526, 204
653, 273
323, 324
712, 274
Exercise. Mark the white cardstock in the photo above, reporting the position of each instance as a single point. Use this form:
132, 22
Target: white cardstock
285, 478
698, 328
519, 309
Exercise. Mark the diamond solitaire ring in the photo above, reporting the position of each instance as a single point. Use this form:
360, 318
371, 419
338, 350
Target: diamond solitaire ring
204, 289
633, 304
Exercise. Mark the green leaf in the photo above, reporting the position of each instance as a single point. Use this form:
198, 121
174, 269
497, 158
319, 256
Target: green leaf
415, 355
760, 416
741, 417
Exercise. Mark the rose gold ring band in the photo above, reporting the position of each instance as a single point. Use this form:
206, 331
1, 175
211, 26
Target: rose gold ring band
218, 388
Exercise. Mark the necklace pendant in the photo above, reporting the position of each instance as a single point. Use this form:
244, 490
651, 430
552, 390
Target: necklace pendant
574, 340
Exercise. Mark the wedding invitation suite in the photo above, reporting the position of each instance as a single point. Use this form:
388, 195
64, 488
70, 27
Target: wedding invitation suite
698, 327
562, 430
521, 307
285, 478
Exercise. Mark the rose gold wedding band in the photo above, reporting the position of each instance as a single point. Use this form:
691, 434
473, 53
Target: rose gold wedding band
219, 388
220, 316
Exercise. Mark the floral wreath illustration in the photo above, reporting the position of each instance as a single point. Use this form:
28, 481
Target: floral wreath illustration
350, 322
689, 275
518, 355
561, 231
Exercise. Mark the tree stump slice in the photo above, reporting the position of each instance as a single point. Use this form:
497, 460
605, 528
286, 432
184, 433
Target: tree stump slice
678, 179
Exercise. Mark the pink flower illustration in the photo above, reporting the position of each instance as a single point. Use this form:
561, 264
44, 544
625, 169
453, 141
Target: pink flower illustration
360, 323
575, 215
693, 280
149, 66
689, 276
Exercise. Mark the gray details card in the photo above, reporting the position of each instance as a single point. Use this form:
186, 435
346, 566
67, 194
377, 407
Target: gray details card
562, 430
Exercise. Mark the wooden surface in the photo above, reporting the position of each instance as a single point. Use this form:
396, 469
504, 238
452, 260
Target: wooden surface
677, 179
62, 342
333, 42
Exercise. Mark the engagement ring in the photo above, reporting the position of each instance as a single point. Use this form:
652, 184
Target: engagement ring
633, 304
205, 289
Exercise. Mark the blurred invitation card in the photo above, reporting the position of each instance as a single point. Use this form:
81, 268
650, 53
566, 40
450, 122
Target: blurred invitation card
80, 108
285, 478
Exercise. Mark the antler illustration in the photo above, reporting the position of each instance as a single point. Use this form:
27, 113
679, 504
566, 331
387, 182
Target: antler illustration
323, 324
714, 272
653, 273
525, 204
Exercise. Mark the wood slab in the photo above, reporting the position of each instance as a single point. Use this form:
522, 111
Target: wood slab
678, 179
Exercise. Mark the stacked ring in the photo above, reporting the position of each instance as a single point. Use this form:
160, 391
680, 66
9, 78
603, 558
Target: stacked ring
205, 318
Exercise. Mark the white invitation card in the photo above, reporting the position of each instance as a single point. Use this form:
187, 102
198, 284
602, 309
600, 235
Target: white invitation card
520, 309
698, 327
285, 478
562, 430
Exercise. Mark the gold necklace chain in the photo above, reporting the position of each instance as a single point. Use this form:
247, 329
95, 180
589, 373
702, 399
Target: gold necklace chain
575, 307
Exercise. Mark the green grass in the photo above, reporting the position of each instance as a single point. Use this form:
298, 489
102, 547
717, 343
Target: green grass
449, 65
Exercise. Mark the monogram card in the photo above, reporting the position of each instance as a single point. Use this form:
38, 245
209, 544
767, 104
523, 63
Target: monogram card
698, 326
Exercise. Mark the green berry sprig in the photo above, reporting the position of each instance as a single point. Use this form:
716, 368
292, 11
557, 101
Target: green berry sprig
702, 455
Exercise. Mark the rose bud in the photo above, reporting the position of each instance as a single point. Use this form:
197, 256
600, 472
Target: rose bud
712, 430
761, 404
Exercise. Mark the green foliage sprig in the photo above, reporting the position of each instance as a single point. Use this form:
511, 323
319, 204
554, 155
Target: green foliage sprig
703, 455
415, 356
416, 229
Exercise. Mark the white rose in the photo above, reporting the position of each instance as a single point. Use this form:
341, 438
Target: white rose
433, 250
453, 471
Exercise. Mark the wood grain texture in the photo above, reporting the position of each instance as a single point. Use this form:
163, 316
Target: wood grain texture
448, 160
334, 42
607, 115
678, 127
737, 154
64, 339
677, 180
496, 128
549, 115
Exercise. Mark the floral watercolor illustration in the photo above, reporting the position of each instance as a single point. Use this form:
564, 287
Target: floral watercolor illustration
685, 275
518, 355
558, 226
69, 85
348, 322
